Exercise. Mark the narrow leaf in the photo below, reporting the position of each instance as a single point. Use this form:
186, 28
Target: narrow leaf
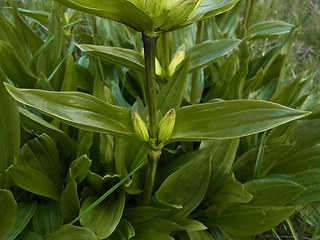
69, 232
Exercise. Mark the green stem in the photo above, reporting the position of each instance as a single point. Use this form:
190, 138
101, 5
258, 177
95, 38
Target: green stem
195, 74
150, 178
151, 85
151, 90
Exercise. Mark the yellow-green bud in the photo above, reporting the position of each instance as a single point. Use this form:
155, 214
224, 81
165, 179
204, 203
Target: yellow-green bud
140, 127
166, 126
175, 61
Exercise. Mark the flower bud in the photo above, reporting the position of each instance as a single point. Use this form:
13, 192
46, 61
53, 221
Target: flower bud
175, 61
140, 127
166, 126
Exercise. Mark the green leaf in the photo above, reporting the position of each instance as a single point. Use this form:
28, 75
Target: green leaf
171, 95
105, 217
69, 201
79, 110
245, 164
10, 128
13, 37
268, 29
121, 56
199, 235
242, 220
8, 212
42, 155
40, 16
79, 168
273, 192
185, 188
70, 232
309, 179
34, 181
142, 214
207, 52
151, 234
123, 11
191, 225
44, 212
124, 231
230, 192
25, 213
209, 8
14, 68
298, 160
35, 123
29, 236
128, 155
230, 119
161, 225
224, 153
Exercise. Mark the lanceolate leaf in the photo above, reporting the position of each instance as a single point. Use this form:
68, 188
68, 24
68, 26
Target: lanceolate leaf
230, 119
123, 57
121, 10
8, 211
207, 52
268, 28
242, 220
78, 109
34, 181
10, 128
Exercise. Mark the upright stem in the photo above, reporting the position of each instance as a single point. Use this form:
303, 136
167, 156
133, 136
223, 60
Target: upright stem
150, 53
195, 74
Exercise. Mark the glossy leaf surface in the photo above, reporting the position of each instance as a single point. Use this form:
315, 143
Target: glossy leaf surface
123, 57
78, 109
230, 119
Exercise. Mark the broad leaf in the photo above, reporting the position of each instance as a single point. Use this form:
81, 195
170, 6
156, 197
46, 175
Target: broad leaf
273, 192
25, 213
230, 119
34, 181
199, 235
242, 220
207, 52
104, 218
44, 212
70, 232
8, 211
124, 231
121, 56
32, 121
78, 109
151, 234
185, 188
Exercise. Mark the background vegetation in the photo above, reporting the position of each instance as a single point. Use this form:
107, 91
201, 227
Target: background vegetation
55, 168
